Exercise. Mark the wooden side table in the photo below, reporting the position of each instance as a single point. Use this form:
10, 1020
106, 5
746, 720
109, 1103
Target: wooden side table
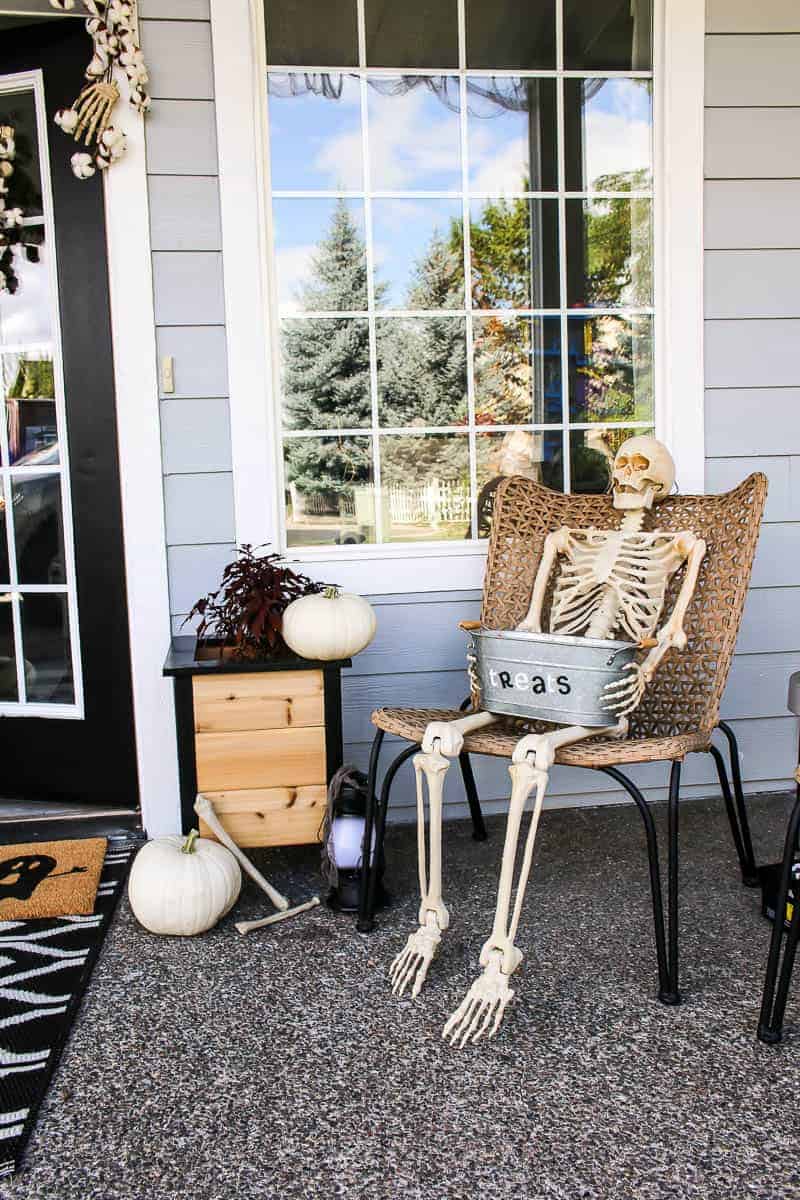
260, 739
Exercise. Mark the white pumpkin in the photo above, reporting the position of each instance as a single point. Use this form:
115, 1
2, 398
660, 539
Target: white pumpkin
182, 885
328, 625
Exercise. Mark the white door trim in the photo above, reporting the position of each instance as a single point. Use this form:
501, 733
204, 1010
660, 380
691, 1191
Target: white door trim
138, 432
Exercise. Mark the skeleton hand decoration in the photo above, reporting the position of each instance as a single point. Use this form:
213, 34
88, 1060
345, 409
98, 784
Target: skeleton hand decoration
606, 583
112, 27
624, 694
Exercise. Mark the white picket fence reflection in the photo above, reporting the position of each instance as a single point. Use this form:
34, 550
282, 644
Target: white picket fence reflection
438, 500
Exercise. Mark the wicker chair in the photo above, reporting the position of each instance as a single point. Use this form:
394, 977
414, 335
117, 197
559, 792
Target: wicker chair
680, 710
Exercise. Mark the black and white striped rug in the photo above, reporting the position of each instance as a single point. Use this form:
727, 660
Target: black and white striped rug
45, 966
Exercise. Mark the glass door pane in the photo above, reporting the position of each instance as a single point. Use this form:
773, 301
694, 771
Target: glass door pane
39, 665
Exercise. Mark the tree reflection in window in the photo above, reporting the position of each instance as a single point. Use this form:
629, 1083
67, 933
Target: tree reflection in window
457, 297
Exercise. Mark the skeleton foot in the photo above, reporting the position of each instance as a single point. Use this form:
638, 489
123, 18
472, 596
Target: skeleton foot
481, 1011
411, 965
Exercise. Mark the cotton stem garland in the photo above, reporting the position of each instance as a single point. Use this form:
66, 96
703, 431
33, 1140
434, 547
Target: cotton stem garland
12, 230
112, 28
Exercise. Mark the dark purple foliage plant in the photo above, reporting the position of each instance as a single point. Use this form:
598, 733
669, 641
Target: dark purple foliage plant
245, 613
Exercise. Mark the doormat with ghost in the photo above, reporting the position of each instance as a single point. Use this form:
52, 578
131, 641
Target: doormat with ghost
50, 879
45, 965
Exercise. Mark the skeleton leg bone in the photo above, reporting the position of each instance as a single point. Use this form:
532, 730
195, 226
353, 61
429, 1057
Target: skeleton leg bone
410, 966
481, 1010
442, 738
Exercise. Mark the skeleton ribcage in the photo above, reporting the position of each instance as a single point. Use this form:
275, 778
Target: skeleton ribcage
609, 584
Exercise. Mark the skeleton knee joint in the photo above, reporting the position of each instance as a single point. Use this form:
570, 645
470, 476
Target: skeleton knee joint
444, 737
537, 749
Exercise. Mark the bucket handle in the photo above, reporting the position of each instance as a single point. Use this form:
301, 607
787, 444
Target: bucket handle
643, 644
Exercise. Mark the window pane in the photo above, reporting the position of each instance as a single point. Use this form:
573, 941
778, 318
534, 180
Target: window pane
418, 253
611, 369
8, 655
508, 35
537, 456
46, 647
592, 454
609, 253
29, 396
416, 33
511, 127
422, 371
608, 134
25, 314
18, 112
309, 32
315, 132
320, 255
425, 487
325, 373
414, 136
610, 35
517, 370
38, 528
514, 245
329, 494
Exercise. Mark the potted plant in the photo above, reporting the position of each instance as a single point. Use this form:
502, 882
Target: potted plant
242, 619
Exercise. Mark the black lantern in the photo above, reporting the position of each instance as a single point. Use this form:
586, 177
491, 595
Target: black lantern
343, 849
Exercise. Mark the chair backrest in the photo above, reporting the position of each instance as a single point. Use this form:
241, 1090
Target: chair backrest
685, 694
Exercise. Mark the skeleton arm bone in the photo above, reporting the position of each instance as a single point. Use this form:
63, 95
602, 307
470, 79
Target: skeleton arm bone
554, 544
623, 697
672, 634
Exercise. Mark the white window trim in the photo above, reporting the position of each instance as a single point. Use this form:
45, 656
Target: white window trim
240, 87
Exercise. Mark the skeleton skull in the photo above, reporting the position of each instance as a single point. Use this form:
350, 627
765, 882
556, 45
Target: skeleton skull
643, 472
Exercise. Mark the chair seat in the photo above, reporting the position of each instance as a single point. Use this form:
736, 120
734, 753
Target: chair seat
500, 739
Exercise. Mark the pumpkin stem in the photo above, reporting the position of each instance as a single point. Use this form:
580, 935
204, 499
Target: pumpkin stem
331, 592
188, 845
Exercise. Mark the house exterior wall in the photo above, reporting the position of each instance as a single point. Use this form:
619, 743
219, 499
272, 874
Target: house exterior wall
752, 163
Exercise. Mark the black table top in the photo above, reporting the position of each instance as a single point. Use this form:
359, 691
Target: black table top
181, 661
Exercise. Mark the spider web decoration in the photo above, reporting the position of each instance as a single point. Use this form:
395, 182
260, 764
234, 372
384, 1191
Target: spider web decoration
112, 27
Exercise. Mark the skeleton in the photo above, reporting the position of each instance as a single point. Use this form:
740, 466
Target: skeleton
607, 583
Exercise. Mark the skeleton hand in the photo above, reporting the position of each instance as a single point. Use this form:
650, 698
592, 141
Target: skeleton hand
488, 998
451, 741
416, 956
623, 695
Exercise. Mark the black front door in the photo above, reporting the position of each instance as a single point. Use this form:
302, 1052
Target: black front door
65, 687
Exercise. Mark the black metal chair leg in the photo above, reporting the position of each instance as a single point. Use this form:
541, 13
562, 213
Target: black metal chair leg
479, 833
749, 870
666, 991
380, 828
674, 996
733, 821
365, 920
770, 1023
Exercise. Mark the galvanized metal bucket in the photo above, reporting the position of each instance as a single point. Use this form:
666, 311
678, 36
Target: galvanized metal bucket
547, 677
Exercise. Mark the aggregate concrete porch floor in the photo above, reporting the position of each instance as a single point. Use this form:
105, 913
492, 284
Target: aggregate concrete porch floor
278, 1066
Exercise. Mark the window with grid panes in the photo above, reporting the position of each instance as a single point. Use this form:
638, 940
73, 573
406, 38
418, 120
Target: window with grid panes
461, 199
